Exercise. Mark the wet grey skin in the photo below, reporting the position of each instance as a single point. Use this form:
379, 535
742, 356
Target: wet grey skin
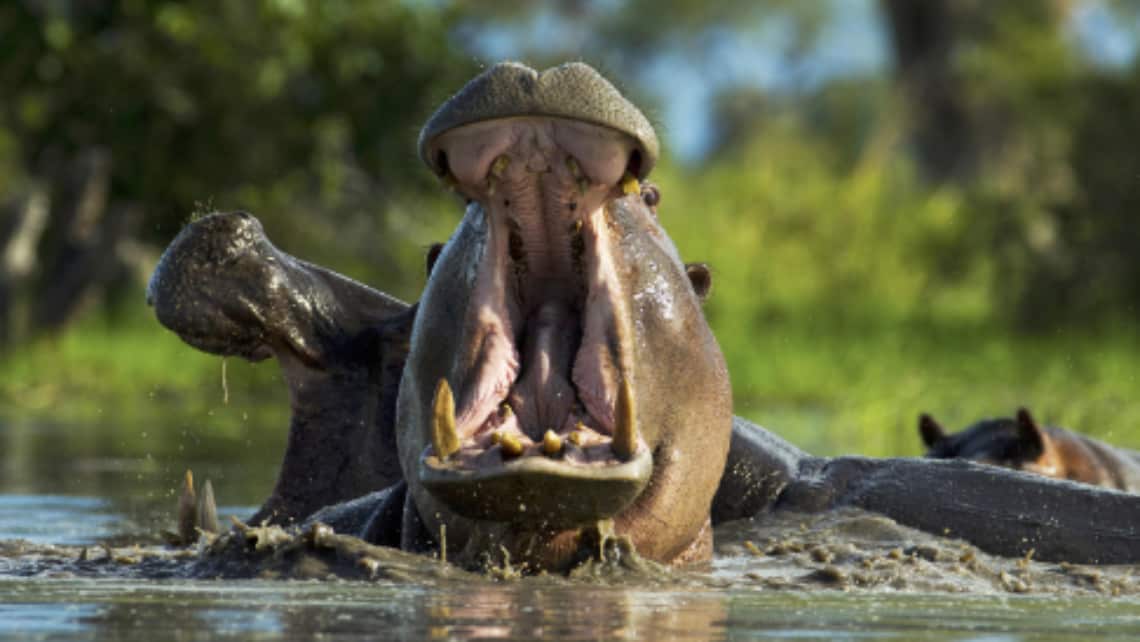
225, 289
598, 322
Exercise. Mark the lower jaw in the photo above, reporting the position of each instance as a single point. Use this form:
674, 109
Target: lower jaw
536, 492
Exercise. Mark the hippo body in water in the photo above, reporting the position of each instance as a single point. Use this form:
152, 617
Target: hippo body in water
1021, 443
557, 379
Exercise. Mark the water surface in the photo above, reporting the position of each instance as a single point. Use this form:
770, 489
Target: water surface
107, 609
848, 578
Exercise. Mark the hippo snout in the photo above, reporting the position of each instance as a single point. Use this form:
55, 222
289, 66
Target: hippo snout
210, 283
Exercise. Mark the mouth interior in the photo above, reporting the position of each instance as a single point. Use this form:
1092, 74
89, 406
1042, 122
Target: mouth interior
550, 327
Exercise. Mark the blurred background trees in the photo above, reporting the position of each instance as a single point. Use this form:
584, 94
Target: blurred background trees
908, 205
1001, 135
120, 119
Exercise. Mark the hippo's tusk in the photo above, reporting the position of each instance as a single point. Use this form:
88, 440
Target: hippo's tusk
496, 174
208, 510
444, 438
573, 167
624, 443
500, 165
187, 507
580, 178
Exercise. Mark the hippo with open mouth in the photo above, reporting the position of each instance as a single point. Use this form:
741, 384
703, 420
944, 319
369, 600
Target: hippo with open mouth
557, 377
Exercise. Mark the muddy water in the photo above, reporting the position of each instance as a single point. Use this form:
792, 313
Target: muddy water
80, 559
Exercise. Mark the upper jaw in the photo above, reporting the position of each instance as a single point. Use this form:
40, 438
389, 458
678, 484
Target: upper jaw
552, 378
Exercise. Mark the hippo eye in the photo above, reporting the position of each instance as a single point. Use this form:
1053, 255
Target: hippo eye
701, 278
650, 195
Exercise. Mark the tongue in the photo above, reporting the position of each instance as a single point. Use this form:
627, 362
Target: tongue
543, 397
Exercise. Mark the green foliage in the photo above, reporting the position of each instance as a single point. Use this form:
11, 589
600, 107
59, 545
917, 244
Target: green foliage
849, 293
847, 299
119, 369
791, 232
304, 112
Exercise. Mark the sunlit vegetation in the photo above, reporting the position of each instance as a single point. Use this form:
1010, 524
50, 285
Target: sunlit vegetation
864, 269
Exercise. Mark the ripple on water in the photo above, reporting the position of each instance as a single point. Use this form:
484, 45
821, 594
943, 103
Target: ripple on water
54, 519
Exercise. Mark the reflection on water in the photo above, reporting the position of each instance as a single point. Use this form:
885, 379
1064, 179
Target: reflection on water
533, 609
69, 484
62, 487
47, 519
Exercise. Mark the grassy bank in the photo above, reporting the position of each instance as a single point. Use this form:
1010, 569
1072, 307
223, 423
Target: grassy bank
859, 389
129, 371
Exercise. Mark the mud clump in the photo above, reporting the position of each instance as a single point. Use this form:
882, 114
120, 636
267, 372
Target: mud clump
847, 550
851, 550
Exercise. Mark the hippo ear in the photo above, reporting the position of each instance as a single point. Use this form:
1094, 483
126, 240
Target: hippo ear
433, 256
1030, 437
701, 278
930, 430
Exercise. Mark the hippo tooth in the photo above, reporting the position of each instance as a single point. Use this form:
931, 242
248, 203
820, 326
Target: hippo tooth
505, 410
500, 165
496, 437
510, 444
625, 424
208, 509
551, 443
444, 438
497, 168
575, 437
630, 185
575, 169
187, 507
580, 179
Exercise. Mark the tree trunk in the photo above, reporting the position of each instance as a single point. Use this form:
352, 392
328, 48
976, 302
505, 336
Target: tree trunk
923, 36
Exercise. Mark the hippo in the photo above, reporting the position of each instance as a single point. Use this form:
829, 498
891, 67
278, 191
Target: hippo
1021, 443
557, 380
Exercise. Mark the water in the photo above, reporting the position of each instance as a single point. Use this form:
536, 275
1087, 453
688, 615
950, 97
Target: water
851, 577
64, 610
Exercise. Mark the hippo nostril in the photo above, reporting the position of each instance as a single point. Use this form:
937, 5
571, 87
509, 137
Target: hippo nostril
433, 256
441, 166
633, 165
701, 278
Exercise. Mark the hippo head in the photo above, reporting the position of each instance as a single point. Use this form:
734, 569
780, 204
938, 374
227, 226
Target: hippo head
1018, 443
224, 288
561, 373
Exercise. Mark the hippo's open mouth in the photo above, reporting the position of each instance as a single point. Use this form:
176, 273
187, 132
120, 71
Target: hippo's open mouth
546, 392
